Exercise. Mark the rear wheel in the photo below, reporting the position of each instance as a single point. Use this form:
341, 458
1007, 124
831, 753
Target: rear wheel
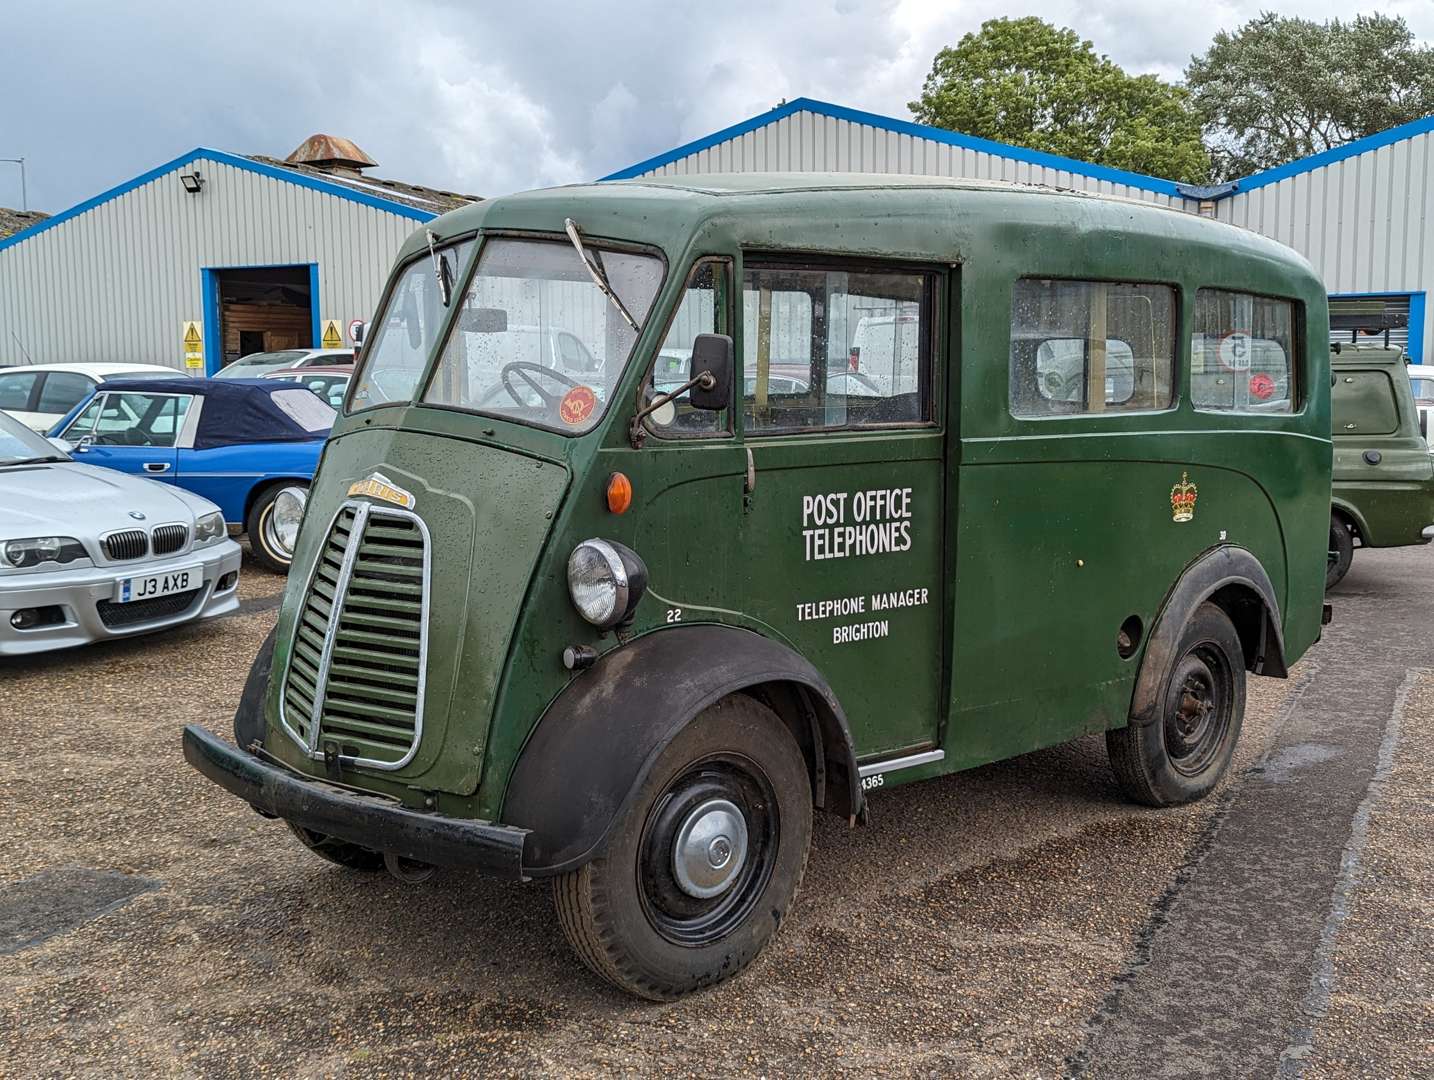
1341, 551
263, 529
1181, 754
705, 863
338, 852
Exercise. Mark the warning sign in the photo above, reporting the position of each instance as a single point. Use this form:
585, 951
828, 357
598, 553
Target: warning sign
332, 337
193, 346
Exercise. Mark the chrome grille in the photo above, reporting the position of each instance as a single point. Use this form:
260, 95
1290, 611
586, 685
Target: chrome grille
167, 539
356, 669
129, 544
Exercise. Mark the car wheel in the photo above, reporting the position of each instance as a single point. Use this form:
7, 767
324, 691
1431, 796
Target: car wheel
260, 525
1181, 754
338, 852
1341, 551
704, 864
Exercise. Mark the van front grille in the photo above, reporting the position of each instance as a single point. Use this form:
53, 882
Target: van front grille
356, 669
129, 544
167, 539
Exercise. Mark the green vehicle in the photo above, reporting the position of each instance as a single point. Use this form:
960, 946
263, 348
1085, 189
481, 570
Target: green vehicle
558, 624
1383, 494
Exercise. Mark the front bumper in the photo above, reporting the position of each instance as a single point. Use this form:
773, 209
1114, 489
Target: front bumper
370, 821
78, 594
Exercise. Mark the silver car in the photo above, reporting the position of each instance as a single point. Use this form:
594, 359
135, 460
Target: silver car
88, 553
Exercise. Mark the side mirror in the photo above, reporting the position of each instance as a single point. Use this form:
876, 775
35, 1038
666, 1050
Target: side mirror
483, 320
711, 354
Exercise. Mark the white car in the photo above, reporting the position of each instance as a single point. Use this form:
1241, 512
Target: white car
257, 365
1421, 380
88, 553
38, 395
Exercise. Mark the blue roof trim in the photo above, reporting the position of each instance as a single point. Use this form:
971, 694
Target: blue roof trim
1338, 153
904, 127
223, 158
1033, 157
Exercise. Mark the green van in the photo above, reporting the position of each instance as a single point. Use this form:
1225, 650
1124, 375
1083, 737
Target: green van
1383, 494
628, 625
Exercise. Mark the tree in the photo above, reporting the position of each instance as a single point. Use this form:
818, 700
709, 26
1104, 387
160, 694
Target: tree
1283, 88
1028, 83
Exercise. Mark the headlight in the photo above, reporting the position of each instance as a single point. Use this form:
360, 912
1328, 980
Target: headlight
209, 527
287, 516
41, 549
606, 581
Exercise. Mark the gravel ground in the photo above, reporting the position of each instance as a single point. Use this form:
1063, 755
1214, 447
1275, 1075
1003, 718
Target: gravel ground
981, 926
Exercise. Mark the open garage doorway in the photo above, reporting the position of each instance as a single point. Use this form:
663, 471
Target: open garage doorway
257, 309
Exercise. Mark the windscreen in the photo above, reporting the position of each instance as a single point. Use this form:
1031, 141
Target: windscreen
403, 337
536, 340
18, 443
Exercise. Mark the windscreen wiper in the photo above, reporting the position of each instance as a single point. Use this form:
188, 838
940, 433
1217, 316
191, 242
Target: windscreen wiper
596, 272
440, 268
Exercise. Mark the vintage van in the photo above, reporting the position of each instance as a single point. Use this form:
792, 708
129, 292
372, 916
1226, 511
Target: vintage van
1383, 492
631, 640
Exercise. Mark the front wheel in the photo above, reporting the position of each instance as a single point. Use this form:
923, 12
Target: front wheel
705, 863
266, 536
1341, 552
1181, 754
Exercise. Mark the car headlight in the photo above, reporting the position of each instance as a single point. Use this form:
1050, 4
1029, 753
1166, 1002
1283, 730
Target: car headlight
605, 581
209, 527
42, 549
287, 516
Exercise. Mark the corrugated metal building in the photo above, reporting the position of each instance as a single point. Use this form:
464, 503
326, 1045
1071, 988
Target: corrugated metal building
259, 252
1361, 213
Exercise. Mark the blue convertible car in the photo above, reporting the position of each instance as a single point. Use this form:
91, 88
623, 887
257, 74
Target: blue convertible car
248, 445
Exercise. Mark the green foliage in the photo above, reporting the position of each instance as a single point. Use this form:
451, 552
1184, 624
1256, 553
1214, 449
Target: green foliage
1283, 88
1028, 83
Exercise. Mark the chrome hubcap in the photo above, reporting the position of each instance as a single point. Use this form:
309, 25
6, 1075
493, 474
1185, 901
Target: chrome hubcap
710, 849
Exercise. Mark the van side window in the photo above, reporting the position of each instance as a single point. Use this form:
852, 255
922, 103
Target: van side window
1365, 400
835, 348
1241, 353
703, 309
1091, 346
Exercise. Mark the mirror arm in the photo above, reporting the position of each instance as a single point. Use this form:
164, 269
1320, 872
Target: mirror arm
706, 380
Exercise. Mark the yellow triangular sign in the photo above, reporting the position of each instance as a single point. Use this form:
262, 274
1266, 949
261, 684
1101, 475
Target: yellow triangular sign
332, 337
191, 335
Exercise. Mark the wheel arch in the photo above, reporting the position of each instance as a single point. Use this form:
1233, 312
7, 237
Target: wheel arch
1342, 508
1233, 579
596, 742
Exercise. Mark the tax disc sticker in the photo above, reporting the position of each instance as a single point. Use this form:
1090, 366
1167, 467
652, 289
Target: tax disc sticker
1262, 387
577, 405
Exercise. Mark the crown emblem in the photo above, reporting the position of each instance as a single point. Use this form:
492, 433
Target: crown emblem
1182, 499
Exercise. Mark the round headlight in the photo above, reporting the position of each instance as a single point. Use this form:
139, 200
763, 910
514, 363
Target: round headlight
287, 515
605, 580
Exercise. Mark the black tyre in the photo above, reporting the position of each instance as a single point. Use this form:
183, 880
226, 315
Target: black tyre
260, 527
704, 865
1181, 754
1341, 551
338, 852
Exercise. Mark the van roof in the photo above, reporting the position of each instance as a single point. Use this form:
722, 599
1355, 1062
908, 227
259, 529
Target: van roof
670, 206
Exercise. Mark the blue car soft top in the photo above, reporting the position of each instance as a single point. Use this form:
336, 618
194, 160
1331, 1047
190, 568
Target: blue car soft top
240, 411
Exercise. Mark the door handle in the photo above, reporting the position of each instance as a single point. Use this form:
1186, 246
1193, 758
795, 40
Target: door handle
156, 466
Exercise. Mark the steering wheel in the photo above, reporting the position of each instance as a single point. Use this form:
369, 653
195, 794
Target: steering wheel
524, 369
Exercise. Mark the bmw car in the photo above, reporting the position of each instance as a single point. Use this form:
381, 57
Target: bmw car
88, 553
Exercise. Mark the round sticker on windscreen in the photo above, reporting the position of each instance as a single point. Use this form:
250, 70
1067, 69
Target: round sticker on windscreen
577, 405
1262, 387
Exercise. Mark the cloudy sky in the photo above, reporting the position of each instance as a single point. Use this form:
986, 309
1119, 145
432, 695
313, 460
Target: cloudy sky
487, 99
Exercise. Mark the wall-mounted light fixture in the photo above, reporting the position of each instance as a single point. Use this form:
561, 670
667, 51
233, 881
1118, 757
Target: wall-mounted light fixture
192, 181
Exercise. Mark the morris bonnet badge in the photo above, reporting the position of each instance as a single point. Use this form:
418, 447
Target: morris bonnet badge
377, 486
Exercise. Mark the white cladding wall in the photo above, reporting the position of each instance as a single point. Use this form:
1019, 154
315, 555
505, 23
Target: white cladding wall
808, 142
118, 281
1365, 222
